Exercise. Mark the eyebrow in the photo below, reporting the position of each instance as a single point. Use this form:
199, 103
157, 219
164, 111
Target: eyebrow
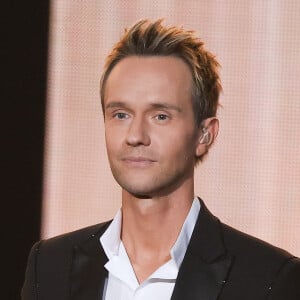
164, 105
156, 105
115, 104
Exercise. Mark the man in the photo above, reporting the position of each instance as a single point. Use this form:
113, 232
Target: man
159, 94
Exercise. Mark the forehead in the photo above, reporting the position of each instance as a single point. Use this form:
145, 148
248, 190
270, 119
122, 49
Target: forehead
149, 77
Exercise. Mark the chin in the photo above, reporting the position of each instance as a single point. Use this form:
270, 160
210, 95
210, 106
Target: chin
147, 192
145, 185
138, 192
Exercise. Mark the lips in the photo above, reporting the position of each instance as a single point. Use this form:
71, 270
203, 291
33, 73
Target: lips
138, 158
138, 161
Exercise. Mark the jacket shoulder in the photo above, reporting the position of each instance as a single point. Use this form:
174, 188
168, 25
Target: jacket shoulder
240, 243
51, 259
75, 237
270, 269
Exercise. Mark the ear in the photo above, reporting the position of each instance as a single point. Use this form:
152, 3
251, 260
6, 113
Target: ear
208, 132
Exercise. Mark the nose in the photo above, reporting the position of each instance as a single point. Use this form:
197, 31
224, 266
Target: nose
137, 133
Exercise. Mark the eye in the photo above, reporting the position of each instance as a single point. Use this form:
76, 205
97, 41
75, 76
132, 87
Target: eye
120, 116
161, 117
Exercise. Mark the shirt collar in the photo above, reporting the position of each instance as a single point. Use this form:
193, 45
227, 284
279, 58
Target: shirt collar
111, 241
181, 244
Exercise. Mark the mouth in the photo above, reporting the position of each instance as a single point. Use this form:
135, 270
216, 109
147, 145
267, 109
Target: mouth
138, 161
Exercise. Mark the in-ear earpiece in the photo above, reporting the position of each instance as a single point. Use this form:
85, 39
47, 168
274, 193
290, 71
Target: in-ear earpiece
205, 138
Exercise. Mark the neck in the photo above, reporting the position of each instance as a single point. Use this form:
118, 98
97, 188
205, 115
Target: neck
151, 226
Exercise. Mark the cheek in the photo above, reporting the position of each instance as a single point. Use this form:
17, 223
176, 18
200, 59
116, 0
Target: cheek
175, 144
111, 139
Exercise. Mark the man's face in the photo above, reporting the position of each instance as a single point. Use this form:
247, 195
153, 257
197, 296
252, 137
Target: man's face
151, 136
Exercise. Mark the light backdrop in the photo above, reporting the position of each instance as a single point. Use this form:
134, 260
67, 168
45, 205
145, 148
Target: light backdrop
251, 176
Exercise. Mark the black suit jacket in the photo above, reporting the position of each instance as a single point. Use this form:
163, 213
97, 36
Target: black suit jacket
220, 263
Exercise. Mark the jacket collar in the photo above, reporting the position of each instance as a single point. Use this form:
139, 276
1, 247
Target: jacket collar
206, 265
88, 273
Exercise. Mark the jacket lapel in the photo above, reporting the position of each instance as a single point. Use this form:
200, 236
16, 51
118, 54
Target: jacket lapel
206, 264
88, 273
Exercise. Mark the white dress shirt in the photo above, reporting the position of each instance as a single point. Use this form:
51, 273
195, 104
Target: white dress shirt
122, 283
